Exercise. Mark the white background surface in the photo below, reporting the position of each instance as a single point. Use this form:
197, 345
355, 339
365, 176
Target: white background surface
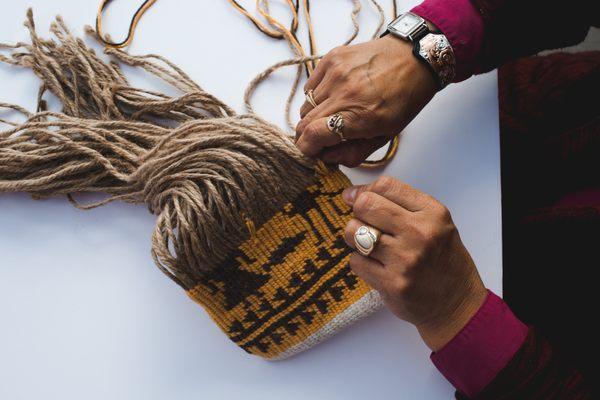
84, 314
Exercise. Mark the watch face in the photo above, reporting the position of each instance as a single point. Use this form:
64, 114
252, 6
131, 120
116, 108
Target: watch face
406, 23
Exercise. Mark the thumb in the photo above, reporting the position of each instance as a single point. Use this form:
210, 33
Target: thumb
350, 194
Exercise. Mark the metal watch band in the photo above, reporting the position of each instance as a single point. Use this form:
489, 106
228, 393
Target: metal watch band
438, 54
431, 48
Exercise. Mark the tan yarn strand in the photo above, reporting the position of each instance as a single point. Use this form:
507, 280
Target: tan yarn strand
381, 19
132, 26
276, 30
202, 169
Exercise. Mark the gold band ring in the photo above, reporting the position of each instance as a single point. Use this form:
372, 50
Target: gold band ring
310, 98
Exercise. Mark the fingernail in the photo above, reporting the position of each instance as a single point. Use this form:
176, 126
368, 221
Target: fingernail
349, 195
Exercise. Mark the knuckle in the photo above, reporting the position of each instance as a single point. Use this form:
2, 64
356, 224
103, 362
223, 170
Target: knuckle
336, 52
355, 263
364, 203
311, 133
440, 226
372, 112
353, 91
300, 127
446, 231
352, 118
413, 260
444, 212
383, 184
349, 232
435, 235
411, 228
336, 72
396, 287
304, 110
428, 236
351, 161
435, 206
352, 260
325, 62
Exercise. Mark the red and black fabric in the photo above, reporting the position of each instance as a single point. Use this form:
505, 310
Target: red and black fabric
517, 28
536, 372
550, 149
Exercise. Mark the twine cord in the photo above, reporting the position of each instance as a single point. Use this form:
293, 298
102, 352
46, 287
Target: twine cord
197, 165
277, 30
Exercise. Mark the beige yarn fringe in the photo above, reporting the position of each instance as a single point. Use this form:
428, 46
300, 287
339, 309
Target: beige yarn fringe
203, 170
300, 59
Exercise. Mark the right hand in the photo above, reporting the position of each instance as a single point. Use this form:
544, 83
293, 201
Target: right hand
420, 266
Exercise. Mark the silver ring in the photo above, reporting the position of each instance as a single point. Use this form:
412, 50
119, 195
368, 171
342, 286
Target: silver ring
366, 239
310, 98
335, 124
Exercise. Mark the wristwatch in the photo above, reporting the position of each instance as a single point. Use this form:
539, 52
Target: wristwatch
432, 48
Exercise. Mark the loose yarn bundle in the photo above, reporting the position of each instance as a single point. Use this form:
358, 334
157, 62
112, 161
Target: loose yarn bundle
189, 158
217, 181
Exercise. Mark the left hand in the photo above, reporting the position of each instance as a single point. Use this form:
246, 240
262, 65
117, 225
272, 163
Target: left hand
378, 87
420, 266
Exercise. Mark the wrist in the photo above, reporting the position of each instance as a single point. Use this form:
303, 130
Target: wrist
438, 332
482, 348
430, 47
401, 51
463, 26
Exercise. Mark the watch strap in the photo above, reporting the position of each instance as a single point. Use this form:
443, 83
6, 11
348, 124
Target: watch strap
435, 51
431, 47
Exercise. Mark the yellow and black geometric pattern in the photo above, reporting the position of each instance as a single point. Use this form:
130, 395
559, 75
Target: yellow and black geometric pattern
290, 278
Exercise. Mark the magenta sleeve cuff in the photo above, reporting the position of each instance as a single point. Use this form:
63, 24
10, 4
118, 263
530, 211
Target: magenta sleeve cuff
473, 358
462, 24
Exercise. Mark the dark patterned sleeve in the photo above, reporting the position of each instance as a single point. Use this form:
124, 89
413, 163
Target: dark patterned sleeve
516, 28
536, 371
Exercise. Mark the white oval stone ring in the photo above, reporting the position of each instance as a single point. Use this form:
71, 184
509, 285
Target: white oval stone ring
366, 238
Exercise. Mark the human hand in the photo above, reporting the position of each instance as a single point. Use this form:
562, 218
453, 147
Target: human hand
419, 265
378, 87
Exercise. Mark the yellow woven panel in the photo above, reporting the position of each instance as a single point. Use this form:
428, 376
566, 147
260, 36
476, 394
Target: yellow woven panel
290, 278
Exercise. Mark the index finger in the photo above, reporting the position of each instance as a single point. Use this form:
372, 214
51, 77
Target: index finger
316, 137
392, 189
317, 76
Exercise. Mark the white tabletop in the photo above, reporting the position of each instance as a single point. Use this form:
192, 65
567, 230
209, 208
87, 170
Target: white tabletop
84, 314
